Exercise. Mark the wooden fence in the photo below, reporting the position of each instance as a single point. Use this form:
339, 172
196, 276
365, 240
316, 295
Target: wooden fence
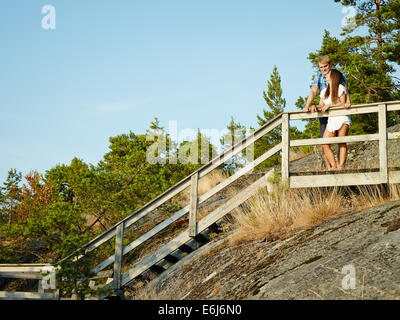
118, 279
44, 273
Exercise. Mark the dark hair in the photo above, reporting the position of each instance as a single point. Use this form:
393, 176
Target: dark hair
336, 79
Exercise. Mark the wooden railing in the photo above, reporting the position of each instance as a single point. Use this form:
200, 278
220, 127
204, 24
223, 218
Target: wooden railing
120, 279
44, 273
346, 179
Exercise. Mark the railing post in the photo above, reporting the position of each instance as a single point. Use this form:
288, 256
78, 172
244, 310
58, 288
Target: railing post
119, 237
193, 205
383, 136
285, 147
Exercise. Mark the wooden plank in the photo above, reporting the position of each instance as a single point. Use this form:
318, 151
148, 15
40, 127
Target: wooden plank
143, 238
249, 167
202, 225
241, 197
335, 112
383, 156
285, 147
180, 186
32, 265
393, 106
335, 180
193, 205
240, 146
225, 156
45, 273
21, 275
180, 213
28, 268
394, 176
102, 275
393, 135
118, 256
343, 171
8, 295
346, 139
132, 218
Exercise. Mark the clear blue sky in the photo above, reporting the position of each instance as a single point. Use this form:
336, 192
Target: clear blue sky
110, 67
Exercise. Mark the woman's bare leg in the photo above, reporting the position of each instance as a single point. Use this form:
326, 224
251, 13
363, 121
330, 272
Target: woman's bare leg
328, 153
343, 131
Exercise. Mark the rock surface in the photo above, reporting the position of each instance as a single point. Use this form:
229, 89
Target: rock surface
356, 256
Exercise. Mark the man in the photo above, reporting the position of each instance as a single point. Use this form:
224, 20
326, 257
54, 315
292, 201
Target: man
320, 83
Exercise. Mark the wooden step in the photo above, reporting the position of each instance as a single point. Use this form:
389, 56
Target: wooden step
183, 241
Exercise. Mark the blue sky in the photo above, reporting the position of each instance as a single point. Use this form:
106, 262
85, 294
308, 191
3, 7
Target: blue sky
111, 67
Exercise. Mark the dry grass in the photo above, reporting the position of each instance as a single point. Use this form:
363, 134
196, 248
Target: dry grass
206, 183
209, 181
288, 210
370, 196
270, 215
279, 214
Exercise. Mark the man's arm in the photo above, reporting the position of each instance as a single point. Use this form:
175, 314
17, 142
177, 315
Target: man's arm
311, 97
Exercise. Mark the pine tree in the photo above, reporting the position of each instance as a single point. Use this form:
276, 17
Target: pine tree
10, 195
369, 77
382, 20
276, 105
366, 59
236, 133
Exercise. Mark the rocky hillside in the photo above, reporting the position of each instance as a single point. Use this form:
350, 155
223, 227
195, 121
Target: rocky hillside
354, 256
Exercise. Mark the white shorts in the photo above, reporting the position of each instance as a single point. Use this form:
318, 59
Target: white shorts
335, 123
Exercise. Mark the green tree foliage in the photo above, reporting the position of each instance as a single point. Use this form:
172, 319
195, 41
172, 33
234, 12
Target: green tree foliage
9, 196
276, 105
196, 152
382, 20
76, 199
365, 60
391, 45
51, 216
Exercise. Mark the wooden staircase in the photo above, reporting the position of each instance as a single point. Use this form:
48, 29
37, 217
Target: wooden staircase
197, 233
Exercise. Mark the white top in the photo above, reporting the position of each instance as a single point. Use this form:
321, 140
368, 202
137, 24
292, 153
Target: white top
335, 123
342, 89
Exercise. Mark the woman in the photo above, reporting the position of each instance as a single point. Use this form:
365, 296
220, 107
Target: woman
334, 96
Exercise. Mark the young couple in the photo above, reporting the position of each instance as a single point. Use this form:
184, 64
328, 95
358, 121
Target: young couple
332, 86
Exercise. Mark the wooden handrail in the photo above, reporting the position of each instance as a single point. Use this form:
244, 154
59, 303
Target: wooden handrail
45, 273
192, 180
185, 210
226, 155
186, 182
180, 186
